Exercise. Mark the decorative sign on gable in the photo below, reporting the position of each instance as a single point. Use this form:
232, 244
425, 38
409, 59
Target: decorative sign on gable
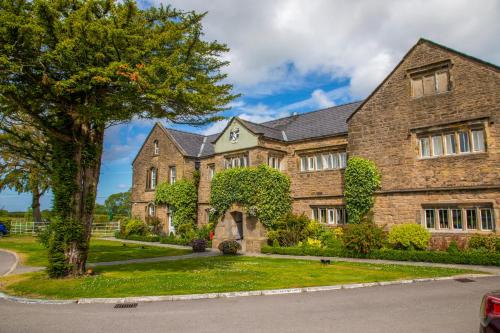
235, 137
234, 134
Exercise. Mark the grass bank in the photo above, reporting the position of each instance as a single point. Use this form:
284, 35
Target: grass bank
213, 274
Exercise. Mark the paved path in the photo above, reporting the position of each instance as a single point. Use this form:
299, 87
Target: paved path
157, 259
439, 306
157, 244
488, 269
7, 262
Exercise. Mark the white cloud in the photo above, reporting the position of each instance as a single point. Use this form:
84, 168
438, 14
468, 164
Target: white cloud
275, 44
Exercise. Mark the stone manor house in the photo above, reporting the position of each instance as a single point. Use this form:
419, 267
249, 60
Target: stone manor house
432, 127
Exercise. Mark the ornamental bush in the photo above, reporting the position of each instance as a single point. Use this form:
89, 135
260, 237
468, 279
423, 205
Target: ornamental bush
409, 237
290, 229
262, 191
488, 243
363, 238
229, 247
181, 198
362, 179
199, 245
135, 226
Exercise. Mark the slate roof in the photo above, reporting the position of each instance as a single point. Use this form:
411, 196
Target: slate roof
326, 122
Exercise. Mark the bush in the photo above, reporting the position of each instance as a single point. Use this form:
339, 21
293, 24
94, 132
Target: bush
362, 179
488, 243
409, 237
363, 238
291, 229
229, 247
154, 224
142, 238
453, 247
135, 227
203, 232
199, 245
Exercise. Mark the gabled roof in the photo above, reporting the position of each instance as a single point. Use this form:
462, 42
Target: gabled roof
427, 41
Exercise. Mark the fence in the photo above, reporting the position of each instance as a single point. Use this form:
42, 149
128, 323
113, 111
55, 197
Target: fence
23, 227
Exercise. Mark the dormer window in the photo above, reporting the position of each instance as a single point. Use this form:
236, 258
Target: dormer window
430, 80
156, 146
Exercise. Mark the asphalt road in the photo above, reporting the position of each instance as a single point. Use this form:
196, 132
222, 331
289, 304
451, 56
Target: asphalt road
7, 260
440, 306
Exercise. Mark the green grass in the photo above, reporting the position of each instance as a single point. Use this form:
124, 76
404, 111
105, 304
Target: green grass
213, 274
33, 253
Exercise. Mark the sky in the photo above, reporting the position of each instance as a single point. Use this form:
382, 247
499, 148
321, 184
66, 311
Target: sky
296, 56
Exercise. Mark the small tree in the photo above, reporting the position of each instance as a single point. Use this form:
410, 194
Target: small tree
362, 179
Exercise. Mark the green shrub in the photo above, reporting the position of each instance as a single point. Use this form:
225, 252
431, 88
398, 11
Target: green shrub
489, 243
182, 198
229, 247
175, 240
362, 179
154, 225
409, 237
363, 238
263, 191
203, 231
291, 229
142, 238
199, 245
453, 247
135, 227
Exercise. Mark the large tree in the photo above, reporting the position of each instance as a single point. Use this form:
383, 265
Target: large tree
73, 67
119, 203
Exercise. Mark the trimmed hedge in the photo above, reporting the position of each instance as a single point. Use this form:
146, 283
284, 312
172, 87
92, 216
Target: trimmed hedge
180, 241
146, 238
467, 257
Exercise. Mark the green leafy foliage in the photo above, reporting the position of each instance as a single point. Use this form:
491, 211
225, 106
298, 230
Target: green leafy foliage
135, 227
489, 243
409, 236
142, 238
363, 238
199, 245
261, 190
453, 247
118, 204
362, 179
229, 247
181, 198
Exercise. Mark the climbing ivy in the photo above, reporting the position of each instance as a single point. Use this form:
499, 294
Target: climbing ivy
262, 191
362, 179
182, 198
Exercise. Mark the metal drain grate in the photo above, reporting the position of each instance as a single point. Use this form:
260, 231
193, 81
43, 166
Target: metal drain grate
464, 280
125, 305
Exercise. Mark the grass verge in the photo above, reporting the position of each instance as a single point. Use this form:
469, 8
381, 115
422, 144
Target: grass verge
213, 274
33, 253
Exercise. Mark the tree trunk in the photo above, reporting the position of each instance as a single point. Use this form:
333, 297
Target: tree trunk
35, 205
75, 188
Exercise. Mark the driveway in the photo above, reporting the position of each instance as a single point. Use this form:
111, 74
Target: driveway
7, 261
439, 306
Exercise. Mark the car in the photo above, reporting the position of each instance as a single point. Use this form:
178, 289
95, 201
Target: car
490, 313
3, 229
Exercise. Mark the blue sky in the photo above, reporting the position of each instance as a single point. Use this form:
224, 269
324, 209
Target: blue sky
292, 56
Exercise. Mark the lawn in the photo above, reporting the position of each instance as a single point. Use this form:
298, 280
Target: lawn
33, 253
212, 274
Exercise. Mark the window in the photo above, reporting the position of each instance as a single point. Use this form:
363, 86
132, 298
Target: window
151, 210
152, 179
463, 138
443, 219
274, 162
325, 161
479, 217
478, 140
437, 145
156, 147
238, 161
330, 215
172, 174
430, 222
486, 219
451, 143
211, 171
430, 84
456, 216
425, 150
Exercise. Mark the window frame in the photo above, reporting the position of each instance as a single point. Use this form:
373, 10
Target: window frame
323, 161
463, 139
331, 214
211, 171
418, 77
466, 211
172, 174
156, 148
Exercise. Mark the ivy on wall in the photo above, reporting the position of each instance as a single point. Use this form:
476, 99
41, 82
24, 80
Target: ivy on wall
181, 197
362, 179
262, 191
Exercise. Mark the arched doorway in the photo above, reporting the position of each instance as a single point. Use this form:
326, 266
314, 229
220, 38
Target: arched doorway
237, 225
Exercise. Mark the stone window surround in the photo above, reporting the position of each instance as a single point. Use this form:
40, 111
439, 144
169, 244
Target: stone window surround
156, 148
149, 187
463, 206
443, 129
242, 154
320, 151
329, 208
426, 70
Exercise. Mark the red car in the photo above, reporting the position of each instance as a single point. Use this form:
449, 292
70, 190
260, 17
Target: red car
490, 313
